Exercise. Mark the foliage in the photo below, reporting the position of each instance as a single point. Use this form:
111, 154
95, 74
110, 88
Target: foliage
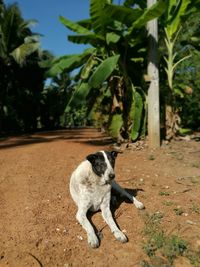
108, 89
186, 79
116, 61
173, 21
21, 77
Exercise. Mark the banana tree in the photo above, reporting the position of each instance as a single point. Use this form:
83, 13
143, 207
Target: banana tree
177, 11
115, 64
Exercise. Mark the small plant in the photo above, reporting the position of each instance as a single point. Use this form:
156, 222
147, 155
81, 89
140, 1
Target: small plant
151, 157
152, 223
179, 211
157, 241
168, 203
194, 257
195, 208
174, 246
164, 193
196, 165
162, 249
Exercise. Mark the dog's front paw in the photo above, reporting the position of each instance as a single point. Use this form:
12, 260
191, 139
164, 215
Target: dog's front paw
139, 205
120, 236
93, 241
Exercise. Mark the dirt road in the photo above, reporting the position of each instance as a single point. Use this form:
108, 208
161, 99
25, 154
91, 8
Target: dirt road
37, 215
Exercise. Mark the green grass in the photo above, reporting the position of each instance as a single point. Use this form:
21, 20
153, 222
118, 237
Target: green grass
164, 193
161, 248
168, 203
178, 211
195, 208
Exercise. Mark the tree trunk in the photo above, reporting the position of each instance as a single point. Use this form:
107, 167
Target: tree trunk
153, 91
172, 122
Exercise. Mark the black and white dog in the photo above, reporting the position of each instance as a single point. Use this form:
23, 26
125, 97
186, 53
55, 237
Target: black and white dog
90, 187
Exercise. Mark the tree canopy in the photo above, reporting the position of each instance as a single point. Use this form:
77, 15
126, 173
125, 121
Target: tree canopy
106, 85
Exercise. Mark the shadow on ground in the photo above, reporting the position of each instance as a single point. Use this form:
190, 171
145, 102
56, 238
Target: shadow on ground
80, 135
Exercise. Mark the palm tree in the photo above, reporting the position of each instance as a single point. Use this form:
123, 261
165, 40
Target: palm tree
17, 40
19, 57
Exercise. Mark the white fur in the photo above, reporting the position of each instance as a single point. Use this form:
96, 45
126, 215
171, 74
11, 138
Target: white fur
90, 191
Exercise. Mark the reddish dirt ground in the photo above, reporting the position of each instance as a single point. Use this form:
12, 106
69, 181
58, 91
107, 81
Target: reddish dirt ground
37, 215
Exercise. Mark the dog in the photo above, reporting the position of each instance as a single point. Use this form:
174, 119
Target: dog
90, 188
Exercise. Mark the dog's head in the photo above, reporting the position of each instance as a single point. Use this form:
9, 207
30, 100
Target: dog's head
103, 163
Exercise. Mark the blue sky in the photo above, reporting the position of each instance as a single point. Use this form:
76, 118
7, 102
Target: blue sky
46, 12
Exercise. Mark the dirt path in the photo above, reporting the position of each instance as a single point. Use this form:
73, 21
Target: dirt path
37, 214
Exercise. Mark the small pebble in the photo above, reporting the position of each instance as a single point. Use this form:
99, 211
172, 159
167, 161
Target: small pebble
190, 222
80, 237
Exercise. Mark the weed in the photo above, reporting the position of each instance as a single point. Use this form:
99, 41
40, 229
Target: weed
179, 211
195, 208
196, 165
152, 223
156, 241
164, 193
168, 203
162, 249
151, 157
194, 257
174, 246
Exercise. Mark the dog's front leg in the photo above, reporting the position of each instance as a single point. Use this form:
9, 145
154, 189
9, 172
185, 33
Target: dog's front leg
118, 188
107, 215
83, 220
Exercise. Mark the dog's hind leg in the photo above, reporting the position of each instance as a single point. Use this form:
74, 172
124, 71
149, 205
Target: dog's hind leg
83, 220
118, 188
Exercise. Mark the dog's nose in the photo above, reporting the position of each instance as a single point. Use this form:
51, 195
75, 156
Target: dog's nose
111, 176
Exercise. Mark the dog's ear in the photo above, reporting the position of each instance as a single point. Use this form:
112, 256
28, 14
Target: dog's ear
91, 158
114, 153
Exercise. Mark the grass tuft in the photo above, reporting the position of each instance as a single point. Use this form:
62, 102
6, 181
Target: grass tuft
163, 249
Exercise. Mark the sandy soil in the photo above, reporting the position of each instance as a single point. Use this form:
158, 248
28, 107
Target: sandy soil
37, 215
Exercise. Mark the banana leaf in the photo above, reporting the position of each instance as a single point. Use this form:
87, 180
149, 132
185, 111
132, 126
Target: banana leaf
153, 12
93, 39
123, 14
73, 26
103, 71
175, 12
136, 115
112, 37
79, 97
98, 16
86, 23
85, 72
115, 125
69, 62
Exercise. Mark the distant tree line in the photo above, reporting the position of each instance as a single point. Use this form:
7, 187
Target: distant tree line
109, 84
26, 103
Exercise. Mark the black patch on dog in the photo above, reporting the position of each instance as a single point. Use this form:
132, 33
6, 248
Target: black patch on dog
111, 155
99, 165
